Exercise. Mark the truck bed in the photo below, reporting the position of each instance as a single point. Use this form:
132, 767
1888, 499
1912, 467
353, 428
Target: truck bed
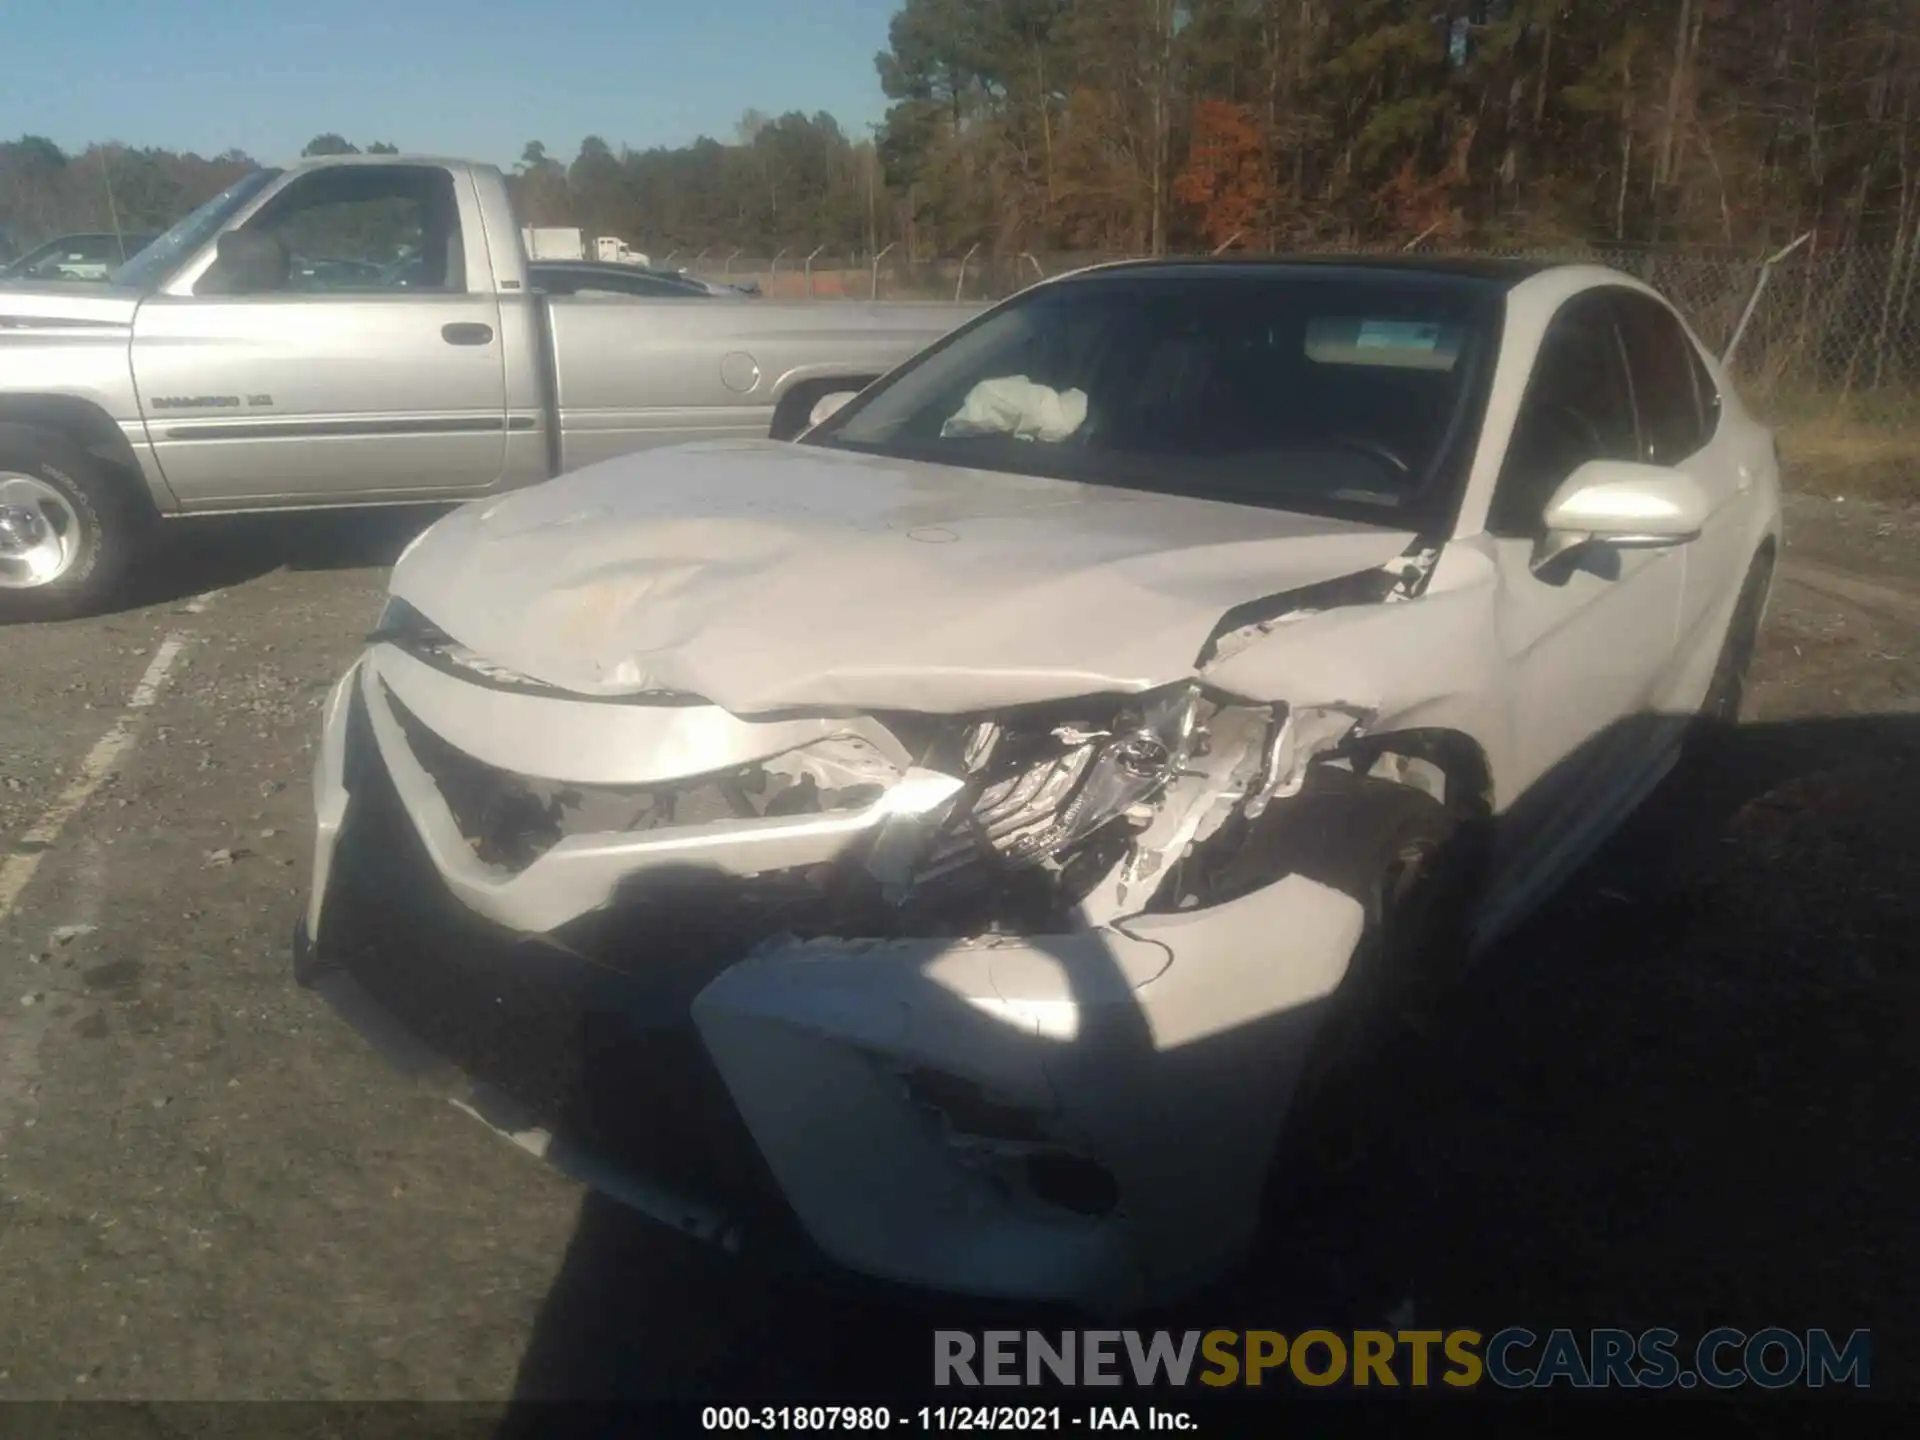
629, 373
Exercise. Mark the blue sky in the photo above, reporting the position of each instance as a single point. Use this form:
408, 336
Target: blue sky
475, 78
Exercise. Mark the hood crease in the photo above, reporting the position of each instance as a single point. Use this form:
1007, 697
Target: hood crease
766, 577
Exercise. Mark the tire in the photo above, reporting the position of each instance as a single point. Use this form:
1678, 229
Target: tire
790, 416
1728, 687
1416, 866
69, 530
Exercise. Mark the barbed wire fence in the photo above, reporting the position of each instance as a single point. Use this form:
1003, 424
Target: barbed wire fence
1832, 338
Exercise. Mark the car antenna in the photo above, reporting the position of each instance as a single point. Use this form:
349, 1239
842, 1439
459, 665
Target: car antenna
113, 210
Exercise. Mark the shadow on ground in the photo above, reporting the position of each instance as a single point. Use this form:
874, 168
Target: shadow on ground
191, 557
1685, 1096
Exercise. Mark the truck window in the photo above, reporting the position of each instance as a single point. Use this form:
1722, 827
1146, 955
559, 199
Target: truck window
351, 229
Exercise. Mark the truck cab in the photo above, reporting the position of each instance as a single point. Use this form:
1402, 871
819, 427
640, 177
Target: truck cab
612, 250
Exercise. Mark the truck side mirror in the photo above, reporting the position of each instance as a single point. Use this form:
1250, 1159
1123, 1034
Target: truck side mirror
247, 262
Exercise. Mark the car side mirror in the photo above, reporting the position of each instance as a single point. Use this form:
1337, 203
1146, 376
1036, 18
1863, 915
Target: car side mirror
1624, 505
829, 405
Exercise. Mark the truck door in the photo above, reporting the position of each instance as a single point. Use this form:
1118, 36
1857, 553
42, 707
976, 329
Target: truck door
342, 345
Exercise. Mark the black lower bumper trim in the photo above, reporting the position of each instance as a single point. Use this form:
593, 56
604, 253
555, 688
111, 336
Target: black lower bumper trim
501, 1112
550, 1046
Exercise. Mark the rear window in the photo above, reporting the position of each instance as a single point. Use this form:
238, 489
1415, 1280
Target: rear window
1323, 389
1392, 344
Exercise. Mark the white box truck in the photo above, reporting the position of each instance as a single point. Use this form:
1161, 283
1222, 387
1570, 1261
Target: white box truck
554, 242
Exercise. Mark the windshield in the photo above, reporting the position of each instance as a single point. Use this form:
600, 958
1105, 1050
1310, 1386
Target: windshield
154, 264
1327, 389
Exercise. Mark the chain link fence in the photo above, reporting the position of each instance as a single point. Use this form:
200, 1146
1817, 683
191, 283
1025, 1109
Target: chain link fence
1830, 350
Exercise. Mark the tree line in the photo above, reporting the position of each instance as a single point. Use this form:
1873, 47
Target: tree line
1146, 125
1143, 126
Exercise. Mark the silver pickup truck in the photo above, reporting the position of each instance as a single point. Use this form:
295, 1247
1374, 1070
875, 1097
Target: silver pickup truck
362, 331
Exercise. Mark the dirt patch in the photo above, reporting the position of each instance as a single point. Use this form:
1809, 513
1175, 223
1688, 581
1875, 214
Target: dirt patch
1879, 538
114, 975
1834, 458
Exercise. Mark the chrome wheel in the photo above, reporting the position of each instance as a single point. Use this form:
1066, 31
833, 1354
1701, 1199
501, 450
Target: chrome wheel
40, 532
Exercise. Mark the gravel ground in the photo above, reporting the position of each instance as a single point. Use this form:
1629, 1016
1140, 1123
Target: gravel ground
1879, 538
1686, 1096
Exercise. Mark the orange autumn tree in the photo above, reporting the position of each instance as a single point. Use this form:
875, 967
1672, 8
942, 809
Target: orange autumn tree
1424, 205
1226, 179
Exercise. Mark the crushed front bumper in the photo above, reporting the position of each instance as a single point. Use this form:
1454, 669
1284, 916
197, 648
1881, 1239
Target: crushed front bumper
1084, 1118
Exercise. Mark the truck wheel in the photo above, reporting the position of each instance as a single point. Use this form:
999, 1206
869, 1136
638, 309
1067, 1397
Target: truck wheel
67, 530
796, 406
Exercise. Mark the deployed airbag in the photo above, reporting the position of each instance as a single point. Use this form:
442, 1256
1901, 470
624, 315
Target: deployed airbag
1014, 405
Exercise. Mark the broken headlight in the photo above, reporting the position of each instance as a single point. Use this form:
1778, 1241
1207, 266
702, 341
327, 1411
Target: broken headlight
400, 623
1037, 788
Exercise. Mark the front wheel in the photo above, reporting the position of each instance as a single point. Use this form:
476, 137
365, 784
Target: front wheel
1728, 687
1418, 878
68, 531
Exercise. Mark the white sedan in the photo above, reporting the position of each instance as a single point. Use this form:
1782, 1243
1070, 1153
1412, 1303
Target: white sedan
954, 841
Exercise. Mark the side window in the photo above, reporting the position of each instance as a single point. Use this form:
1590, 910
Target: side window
1665, 372
351, 229
79, 257
1578, 407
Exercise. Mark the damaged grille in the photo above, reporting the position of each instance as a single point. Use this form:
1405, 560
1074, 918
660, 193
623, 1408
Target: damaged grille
1042, 792
511, 820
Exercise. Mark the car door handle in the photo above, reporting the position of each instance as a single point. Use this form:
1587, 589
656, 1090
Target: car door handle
467, 334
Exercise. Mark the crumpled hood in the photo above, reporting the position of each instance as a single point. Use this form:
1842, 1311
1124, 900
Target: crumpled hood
765, 576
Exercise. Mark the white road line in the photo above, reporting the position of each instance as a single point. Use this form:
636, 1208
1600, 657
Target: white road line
18, 870
101, 762
90, 893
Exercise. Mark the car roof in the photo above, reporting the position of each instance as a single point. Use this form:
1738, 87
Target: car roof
614, 267
445, 162
604, 267
1502, 273
609, 266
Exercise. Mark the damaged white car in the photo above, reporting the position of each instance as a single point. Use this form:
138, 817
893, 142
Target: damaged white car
952, 840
